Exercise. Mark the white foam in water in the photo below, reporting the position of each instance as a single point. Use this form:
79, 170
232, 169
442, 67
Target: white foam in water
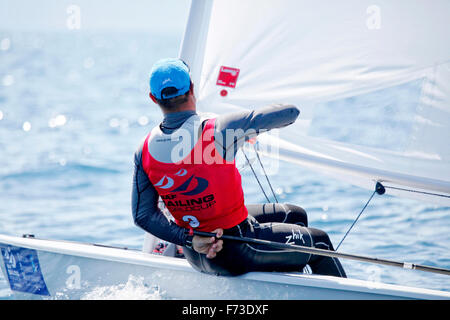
134, 289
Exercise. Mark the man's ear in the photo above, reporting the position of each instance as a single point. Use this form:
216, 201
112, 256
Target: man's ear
153, 98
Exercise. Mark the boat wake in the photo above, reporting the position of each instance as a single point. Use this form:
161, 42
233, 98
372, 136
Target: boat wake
134, 289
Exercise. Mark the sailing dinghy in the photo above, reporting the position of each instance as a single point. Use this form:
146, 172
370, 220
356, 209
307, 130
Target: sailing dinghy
49, 269
244, 54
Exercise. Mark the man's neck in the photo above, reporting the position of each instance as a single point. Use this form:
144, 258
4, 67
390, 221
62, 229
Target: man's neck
181, 108
174, 120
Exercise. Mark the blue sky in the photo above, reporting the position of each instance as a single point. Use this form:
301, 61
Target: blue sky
145, 15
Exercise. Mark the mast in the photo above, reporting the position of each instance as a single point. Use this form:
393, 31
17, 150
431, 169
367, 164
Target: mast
194, 40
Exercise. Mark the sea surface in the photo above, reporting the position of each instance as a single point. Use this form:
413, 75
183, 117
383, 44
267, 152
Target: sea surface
74, 108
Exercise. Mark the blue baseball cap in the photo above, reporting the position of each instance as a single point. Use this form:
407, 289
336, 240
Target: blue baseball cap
169, 72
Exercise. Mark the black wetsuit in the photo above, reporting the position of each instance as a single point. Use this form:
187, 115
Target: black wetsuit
275, 222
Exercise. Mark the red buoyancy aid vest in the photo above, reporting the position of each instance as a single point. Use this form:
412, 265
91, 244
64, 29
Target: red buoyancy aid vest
202, 191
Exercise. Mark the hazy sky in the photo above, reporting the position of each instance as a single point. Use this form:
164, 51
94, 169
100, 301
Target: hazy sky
94, 14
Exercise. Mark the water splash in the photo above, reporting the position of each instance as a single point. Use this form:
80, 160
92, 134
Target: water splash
134, 289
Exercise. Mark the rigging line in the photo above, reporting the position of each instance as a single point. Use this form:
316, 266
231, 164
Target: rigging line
379, 188
364, 208
265, 174
256, 177
417, 191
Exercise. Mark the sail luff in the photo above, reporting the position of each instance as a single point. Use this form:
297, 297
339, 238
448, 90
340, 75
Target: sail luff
192, 49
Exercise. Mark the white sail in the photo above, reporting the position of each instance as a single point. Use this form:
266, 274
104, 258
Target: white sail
336, 62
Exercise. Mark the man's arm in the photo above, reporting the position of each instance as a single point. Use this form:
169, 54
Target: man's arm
233, 129
146, 213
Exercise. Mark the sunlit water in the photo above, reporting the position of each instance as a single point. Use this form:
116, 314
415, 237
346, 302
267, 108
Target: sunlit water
73, 109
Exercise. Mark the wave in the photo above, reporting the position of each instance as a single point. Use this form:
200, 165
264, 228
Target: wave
55, 170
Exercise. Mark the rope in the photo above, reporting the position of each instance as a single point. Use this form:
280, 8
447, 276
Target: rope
416, 191
256, 177
379, 188
267, 177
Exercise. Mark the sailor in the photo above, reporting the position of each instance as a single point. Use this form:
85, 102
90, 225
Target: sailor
188, 162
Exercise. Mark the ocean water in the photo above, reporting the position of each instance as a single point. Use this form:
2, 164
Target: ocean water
73, 109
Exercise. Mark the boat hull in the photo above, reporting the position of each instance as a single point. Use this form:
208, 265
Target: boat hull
47, 269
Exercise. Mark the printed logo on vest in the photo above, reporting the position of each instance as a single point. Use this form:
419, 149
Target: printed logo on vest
167, 183
202, 184
187, 188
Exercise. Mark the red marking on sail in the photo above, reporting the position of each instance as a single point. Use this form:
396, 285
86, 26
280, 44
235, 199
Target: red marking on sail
228, 77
